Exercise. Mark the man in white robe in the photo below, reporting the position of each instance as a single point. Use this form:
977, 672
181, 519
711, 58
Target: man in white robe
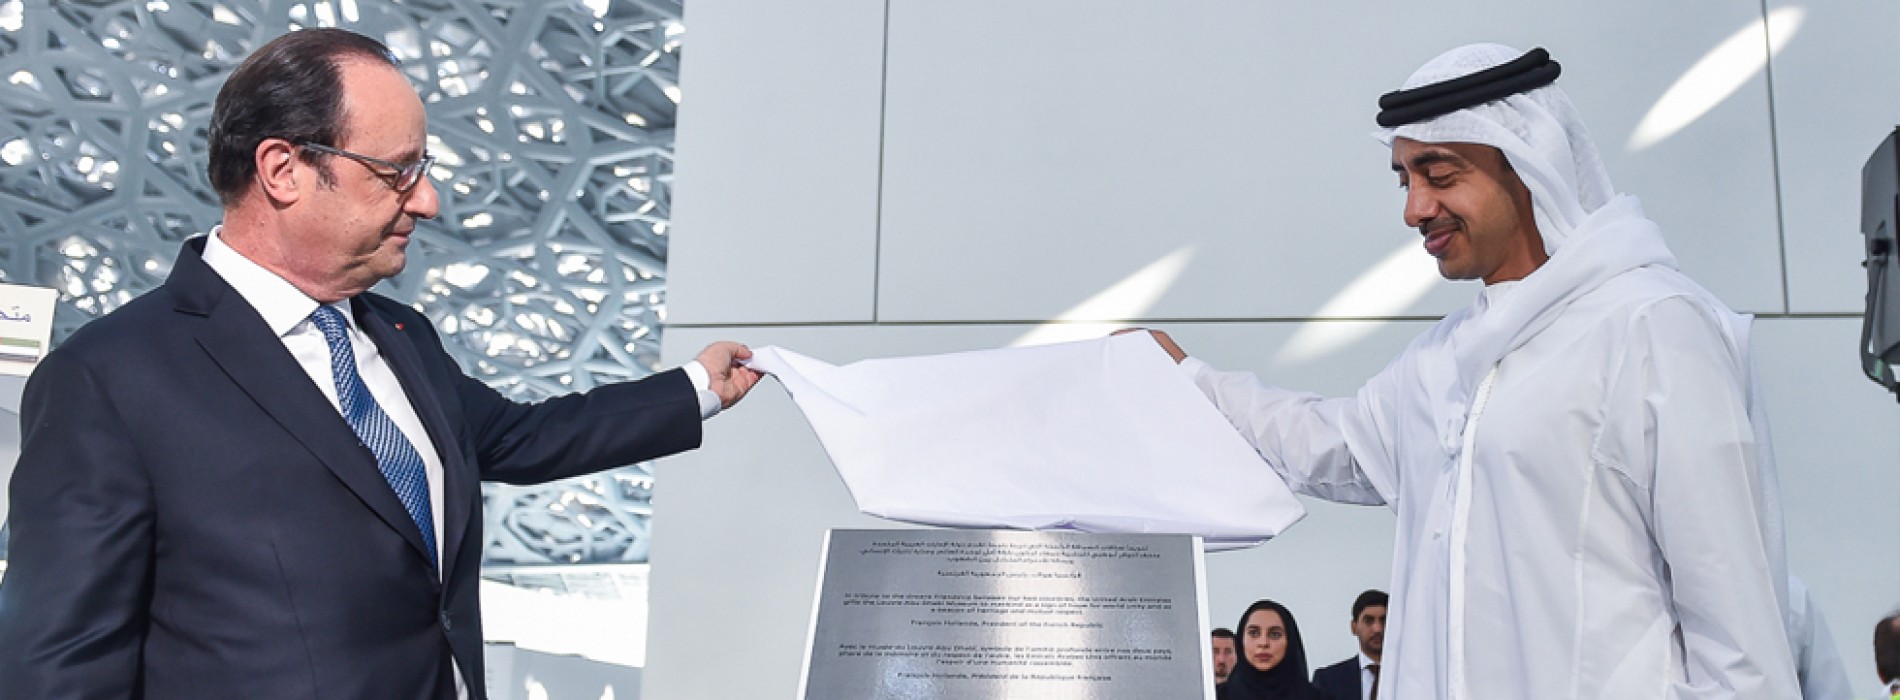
1580, 467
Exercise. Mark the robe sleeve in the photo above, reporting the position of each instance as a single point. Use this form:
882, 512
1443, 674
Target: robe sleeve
1678, 423
1817, 661
1299, 434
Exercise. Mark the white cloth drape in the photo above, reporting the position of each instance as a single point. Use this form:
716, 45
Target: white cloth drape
1101, 436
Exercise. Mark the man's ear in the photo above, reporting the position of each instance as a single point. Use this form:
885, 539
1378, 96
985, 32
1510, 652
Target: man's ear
277, 169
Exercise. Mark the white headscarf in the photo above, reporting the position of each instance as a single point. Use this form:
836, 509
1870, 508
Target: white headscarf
1591, 233
1538, 131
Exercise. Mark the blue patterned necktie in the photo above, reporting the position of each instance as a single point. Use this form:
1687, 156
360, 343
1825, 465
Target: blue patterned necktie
395, 456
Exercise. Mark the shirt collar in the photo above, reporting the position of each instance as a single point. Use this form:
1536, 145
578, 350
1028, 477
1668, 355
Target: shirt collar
1493, 292
1365, 661
282, 305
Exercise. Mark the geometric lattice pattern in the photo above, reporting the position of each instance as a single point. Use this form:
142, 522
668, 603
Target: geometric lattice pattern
552, 124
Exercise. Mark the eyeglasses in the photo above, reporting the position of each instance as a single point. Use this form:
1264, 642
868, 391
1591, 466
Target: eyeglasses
403, 176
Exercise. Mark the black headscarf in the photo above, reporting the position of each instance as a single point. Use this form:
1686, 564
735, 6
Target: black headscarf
1285, 681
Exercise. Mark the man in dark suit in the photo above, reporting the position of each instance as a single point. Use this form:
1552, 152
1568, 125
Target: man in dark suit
1224, 654
261, 481
1357, 678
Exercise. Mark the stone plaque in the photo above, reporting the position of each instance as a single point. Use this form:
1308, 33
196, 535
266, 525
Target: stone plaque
919, 614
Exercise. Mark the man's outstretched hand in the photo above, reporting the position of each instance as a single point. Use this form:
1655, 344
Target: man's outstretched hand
1166, 342
730, 380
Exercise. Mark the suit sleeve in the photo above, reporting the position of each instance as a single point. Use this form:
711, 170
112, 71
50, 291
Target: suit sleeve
74, 601
606, 427
1681, 425
565, 436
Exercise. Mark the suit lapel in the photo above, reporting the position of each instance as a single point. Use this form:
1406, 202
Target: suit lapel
406, 362
241, 344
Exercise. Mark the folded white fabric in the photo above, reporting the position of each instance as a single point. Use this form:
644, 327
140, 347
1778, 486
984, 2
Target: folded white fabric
1101, 436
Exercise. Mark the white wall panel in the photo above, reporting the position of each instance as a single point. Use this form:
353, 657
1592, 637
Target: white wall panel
1837, 444
1837, 94
775, 210
1037, 157
1210, 161
739, 525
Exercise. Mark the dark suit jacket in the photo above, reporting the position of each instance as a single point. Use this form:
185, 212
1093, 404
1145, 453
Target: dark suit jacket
192, 518
1339, 681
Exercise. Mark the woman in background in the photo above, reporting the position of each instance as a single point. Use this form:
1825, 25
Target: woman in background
1272, 657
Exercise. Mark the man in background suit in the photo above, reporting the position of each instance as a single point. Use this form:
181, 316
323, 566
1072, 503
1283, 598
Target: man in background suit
1357, 678
1224, 653
260, 480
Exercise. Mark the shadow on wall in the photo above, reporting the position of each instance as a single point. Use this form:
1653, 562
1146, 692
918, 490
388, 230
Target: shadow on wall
521, 674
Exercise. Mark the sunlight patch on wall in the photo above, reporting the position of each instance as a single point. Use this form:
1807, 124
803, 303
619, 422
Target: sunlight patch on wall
1113, 307
1720, 73
1385, 289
